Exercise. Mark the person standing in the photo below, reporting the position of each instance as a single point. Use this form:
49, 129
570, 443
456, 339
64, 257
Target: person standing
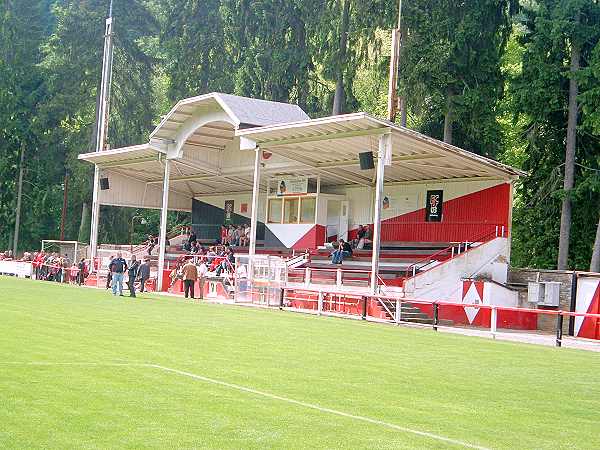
190, 275
202, 271
109, 275
81, 272
117, 268
132, 271
144, 274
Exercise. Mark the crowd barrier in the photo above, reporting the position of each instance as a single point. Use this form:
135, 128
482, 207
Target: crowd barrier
16, 268
370, 307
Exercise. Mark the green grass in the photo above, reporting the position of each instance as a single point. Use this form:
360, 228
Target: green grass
487, 393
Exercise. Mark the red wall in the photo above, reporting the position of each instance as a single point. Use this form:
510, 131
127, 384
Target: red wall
464, 218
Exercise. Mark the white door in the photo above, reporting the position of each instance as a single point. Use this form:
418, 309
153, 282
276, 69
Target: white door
343, 227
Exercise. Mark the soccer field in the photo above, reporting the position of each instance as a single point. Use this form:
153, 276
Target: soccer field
80, 368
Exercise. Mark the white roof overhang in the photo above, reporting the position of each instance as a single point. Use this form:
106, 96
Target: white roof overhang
330, 146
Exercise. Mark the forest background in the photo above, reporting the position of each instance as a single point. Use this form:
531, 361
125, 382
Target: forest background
518, 81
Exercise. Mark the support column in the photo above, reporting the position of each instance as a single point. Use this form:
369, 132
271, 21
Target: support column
163, 224
95, 215
384, 143
255, 198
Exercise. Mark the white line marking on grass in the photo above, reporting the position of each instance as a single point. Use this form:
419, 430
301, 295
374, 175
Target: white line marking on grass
262, 394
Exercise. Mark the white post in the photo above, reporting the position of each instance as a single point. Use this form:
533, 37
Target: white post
494, 321
338, 277
254, 218
398, 311
163, 224
101, 130
384, 143
307, 273
320, 304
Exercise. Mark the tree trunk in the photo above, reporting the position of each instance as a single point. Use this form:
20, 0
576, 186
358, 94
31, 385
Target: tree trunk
403, 111
18, 207
84, 225
340, 94
569, 181
448, 119
595, 263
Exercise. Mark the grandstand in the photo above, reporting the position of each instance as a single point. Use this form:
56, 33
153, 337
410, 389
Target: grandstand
439, 217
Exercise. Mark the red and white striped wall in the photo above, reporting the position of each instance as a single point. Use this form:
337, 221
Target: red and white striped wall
587, 302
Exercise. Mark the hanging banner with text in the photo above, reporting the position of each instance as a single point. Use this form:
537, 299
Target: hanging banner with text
229, 204
435, 201
292, 186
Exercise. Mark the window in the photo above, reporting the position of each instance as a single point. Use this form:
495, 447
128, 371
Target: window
290, 210
307, 210
275, 210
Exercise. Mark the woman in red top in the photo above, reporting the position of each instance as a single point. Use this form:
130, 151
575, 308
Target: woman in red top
223, 234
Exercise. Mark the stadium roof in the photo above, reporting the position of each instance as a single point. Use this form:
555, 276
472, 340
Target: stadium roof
244, 112
333, 144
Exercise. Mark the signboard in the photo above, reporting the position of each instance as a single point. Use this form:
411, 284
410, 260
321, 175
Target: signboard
434, 206
17, 268
229, 204
292, 186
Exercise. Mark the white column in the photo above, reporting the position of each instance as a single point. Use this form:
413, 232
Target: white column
95, 219
384, 143
163, 223
255, 197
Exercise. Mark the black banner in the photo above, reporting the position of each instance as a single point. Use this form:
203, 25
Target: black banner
228, 212
435, 201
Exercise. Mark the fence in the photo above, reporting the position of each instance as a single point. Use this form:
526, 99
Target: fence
381, 308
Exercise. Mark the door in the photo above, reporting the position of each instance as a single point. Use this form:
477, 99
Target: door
343, 227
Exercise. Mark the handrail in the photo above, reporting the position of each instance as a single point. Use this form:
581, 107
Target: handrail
480, 239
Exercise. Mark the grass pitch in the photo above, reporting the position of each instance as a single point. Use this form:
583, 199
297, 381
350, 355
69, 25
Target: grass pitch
233, 377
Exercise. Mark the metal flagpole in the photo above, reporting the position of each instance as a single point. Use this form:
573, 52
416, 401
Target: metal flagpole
102, 125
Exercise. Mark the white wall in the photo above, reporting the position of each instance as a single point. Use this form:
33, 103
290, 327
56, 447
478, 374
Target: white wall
129, 192
443, 282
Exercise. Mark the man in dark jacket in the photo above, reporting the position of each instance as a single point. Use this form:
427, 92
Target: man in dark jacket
117, 268
132, 271
143, 274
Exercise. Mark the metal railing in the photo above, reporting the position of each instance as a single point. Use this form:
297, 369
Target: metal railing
321, 299
454, 250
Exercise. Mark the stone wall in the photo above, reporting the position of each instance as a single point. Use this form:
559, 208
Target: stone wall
519, 277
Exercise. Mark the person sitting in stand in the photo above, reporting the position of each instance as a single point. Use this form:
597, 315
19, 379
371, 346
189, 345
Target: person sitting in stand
223, 235
344, 250
244, 236
210, 255
368, 236
227, 263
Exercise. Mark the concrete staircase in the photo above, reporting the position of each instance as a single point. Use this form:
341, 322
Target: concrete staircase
410, 313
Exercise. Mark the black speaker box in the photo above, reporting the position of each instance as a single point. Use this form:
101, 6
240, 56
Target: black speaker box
366, 161
104, 185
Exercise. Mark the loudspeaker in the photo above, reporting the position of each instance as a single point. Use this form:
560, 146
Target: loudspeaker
104, 185
366, 161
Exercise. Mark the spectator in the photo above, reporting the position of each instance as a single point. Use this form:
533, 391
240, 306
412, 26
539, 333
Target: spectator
117, 267
132, 271
223, 235
81, 274
144, 274
344, 250
109, 275
190, 275
202, 271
